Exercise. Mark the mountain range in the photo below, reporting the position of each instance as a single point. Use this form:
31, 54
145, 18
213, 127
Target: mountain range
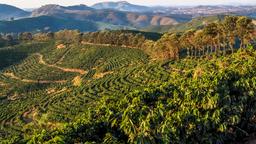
107, 15
111, 16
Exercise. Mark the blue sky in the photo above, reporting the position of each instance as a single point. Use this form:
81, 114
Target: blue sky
38, 3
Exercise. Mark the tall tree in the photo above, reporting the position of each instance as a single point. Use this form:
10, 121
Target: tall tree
9, 39
199, 42
211, 32
175, 45
187, 41
25, 36
245, 28
2, 41
229, 24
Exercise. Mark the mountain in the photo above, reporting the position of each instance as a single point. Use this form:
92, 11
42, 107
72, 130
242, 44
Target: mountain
7, 12
114, 17
52, 9
45, 23
53, 24
121, 6
79, 7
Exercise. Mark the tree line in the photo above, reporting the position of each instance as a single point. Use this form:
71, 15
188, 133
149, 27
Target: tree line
7, 40
117, 38
218, 37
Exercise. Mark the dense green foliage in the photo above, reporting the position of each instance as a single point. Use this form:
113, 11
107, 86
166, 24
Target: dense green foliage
13, 55
120, 38
214, 102
103, 87
219, 37
124, 98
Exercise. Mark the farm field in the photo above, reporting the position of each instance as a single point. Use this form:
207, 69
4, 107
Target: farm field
139, 77
47, 91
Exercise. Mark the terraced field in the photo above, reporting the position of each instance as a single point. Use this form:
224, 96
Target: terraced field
55, 85
47, 91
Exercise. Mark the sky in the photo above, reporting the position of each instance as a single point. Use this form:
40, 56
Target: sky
38, 3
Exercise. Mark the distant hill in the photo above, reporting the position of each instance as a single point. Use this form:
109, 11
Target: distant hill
53, 24
122, 6
107, 16
7, 12
79, 7
53, 9
195, 23
45, 23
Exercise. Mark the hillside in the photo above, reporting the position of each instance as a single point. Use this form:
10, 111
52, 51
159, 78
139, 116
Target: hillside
57, 95
119, 73
195, 23
122, 6
7, 12
79, 7
48, 23
108, 16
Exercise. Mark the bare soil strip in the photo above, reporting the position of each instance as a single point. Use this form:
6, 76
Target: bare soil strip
2, 84
80, 71
11, 75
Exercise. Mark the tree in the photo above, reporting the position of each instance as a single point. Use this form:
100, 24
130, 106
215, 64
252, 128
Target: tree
199, 42
2, 41
245, 29
148, 47
211, 32
25, 36
68, 36
9, 39
50, 35
187, 41
168, 47
175, 45
229, 24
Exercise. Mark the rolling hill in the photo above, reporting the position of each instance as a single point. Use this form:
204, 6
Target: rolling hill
7, 12
45, 23
107, 16
53, 24
195, 23
122, 6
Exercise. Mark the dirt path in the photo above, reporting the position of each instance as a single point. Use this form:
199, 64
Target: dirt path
11, 75
80, 71
2, 84
63, 56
